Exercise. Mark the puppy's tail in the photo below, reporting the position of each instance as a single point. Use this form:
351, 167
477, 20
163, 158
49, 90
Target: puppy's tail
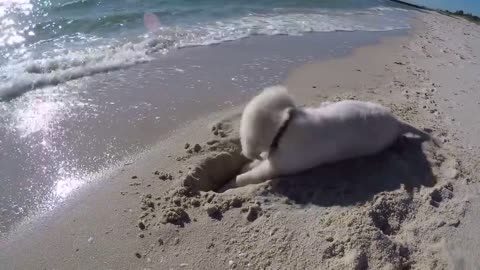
422, 135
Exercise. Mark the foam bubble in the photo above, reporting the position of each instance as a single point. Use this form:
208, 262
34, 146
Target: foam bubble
34, 74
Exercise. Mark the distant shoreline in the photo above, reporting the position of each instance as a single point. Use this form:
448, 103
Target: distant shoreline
411, 5
458, 13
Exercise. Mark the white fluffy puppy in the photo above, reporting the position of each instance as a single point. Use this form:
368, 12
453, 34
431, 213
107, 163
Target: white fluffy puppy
284, 139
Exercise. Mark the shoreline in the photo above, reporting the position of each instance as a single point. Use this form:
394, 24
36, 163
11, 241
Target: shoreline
101, 230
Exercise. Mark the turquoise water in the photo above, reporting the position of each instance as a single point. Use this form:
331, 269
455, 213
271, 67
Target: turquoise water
50, 42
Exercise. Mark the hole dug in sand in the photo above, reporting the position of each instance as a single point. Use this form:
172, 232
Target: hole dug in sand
218, 168
198, 190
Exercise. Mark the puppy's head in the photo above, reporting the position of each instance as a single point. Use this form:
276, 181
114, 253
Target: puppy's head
262, 118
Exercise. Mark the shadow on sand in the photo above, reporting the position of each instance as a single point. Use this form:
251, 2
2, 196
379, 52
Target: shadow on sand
358, 180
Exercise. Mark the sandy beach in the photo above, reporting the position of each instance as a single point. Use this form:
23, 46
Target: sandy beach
413, 206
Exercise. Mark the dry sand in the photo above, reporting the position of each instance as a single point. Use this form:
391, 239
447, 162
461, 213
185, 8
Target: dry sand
410, 207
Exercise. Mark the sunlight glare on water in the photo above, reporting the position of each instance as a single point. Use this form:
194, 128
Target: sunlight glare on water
11, 12
66, 185
40, 115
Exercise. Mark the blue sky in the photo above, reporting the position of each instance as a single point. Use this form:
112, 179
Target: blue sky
469, 6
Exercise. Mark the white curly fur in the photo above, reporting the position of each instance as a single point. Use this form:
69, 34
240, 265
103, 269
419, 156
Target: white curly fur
267, 107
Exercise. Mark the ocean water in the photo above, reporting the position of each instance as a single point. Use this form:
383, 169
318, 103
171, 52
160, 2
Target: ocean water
50, 42
86, 84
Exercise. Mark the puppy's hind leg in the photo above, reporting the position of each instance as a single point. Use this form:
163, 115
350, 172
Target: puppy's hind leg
260, 173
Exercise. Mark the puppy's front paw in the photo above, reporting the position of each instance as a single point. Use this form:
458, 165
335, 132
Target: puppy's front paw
242, 180
250, 165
